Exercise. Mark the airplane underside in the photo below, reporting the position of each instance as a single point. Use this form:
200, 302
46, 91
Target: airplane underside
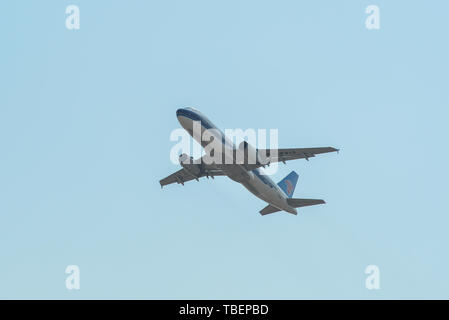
248, 173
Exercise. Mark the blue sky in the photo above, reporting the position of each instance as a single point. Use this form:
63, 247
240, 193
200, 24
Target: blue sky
85, 120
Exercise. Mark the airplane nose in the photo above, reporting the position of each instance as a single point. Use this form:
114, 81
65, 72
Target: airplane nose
179, 112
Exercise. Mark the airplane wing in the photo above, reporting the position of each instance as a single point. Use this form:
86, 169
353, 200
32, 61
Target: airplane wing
181, 176
292, 153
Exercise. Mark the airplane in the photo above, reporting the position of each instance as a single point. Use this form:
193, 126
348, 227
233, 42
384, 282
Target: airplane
248, 173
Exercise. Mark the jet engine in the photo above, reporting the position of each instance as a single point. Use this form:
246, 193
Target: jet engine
195, 169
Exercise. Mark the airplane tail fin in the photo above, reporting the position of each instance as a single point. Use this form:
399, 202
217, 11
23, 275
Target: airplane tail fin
288, 184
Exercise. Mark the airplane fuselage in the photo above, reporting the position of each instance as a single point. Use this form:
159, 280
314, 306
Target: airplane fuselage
255, 180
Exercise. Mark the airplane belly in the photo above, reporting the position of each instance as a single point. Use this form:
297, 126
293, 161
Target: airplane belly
266, 193
258, 188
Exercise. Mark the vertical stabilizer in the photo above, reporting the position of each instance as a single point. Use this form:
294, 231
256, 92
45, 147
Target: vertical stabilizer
288, 184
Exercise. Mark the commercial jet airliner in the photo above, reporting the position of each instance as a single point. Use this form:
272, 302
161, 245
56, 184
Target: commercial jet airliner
248, 173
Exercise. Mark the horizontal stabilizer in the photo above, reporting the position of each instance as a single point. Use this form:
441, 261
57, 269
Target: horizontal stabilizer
268, 209
296, 203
